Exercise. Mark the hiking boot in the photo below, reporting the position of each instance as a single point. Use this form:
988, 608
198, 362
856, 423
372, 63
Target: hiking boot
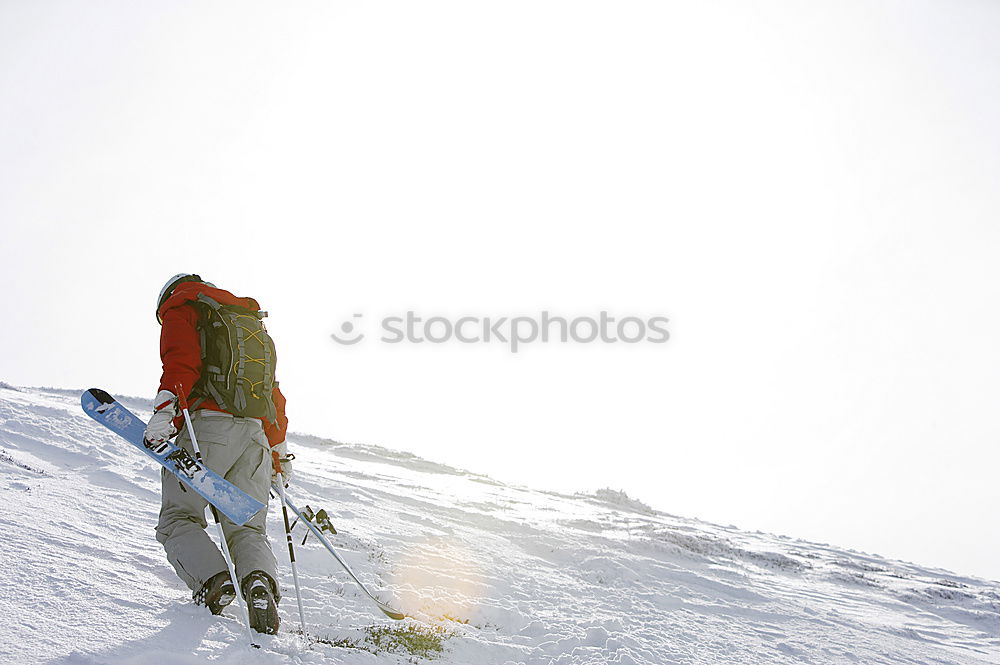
259, 591
216, 593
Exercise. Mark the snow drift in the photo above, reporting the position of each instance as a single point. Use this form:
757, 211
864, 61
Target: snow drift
488, 573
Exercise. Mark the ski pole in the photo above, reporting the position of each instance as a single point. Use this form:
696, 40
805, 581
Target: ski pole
288, 536
386, 609
222, 535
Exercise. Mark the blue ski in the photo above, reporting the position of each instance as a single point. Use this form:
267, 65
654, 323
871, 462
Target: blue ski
233, 502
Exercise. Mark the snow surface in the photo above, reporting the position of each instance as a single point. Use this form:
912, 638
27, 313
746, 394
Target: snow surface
497, 574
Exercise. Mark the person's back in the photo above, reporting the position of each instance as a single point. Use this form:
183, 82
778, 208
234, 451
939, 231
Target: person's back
217, 353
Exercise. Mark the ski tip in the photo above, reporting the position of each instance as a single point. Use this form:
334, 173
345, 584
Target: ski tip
392, 614
101, 396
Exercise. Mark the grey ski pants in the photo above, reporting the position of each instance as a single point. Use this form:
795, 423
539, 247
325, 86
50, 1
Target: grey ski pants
235, 449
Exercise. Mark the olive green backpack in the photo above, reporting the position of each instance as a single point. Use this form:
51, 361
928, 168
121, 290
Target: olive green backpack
237, 360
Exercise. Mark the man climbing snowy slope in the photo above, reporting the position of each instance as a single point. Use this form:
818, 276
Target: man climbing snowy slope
215, 349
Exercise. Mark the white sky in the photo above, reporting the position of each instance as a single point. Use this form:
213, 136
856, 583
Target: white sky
808, 190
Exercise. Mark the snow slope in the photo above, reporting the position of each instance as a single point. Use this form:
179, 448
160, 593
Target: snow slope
489, 573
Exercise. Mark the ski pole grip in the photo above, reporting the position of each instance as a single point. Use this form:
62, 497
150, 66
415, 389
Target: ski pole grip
181, 397
276, 461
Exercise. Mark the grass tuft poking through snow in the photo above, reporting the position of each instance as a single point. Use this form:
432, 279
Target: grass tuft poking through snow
419, 641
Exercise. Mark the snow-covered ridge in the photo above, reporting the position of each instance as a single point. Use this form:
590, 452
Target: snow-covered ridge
490, 573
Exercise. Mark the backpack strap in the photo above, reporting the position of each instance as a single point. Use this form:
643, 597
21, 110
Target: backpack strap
210, 301
216, 395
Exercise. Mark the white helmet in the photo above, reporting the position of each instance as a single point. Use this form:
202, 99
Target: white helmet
169, 287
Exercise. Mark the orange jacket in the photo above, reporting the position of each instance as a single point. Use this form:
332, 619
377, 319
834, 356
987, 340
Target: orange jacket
180, 349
